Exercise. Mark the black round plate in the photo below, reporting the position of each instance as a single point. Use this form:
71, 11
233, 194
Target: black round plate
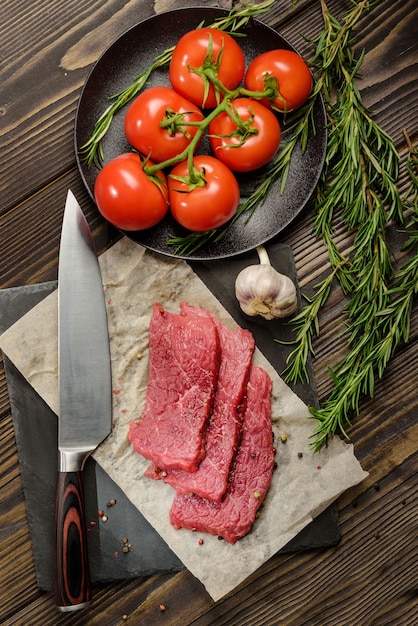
135, 51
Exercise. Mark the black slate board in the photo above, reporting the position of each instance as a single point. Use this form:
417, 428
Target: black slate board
36, 436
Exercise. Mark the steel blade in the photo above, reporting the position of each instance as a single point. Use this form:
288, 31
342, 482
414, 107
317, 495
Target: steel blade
84, 352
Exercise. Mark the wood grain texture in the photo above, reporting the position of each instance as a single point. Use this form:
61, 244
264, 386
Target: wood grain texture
370, 577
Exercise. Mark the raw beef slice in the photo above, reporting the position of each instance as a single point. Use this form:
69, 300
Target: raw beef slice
250, 474
184, 362
225, 426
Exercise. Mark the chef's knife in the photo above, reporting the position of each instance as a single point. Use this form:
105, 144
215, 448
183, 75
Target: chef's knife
85, 394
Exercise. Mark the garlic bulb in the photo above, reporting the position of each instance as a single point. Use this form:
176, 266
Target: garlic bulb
261, 290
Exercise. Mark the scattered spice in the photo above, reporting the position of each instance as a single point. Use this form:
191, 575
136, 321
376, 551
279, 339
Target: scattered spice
300, 455
283, 438
139, 355
116, 554
318, 467
163, 607
124, 617
126, 545
253, 455
116, 391
257, 495
201, 542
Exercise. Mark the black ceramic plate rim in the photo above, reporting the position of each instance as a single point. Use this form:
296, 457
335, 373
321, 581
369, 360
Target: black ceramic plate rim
278, 210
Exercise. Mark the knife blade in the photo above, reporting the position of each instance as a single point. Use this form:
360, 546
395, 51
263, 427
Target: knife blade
85, 399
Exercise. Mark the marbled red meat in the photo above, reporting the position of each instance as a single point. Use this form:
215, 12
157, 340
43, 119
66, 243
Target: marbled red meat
184, 362
224, 430
250, 475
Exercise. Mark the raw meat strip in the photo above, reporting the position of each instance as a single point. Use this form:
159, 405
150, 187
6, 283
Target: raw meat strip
184, 362
224, 431
250, 475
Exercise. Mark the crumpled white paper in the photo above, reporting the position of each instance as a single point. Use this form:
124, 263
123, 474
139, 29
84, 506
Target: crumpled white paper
303, 485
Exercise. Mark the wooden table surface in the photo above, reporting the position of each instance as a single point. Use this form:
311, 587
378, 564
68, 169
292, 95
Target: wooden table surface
46, 51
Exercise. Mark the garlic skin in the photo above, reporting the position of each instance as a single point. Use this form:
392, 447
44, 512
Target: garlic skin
261, 290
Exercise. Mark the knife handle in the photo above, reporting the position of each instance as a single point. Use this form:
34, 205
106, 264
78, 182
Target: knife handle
71, 575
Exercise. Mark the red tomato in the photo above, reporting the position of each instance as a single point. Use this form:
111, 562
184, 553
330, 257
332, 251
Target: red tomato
201, 208
156, 106
127, 197
250, 146
191, 52
293, 76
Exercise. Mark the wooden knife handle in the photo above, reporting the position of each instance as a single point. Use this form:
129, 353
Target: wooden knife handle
71, 572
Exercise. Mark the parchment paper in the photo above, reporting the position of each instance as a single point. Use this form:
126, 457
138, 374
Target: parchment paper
302, 486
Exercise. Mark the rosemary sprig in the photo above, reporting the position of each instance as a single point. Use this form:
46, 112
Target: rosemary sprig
368, 359
306, 325
358, 185
92, 150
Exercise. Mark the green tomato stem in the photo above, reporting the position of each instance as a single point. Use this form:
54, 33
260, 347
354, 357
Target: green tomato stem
223, 106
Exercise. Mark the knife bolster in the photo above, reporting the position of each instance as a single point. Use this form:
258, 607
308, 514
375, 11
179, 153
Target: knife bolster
71, 460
